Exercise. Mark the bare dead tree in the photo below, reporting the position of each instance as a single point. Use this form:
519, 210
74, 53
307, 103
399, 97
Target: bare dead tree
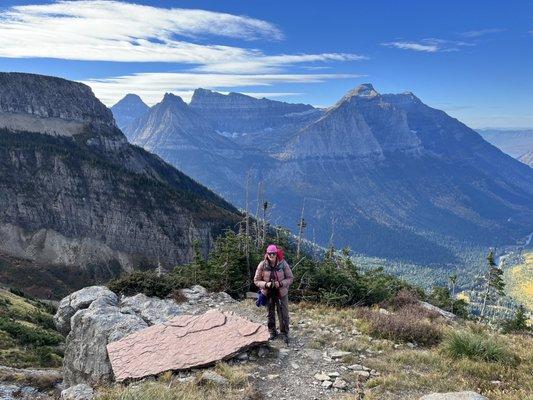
247, 224
333, 223
301, 226
257, 221
265, 223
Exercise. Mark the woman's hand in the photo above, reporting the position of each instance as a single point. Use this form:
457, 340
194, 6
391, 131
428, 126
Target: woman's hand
276, 285
268, 285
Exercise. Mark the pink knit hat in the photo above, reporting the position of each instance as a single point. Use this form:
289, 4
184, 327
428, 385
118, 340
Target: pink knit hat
272, 248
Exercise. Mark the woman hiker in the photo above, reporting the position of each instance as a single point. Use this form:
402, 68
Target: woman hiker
274, 276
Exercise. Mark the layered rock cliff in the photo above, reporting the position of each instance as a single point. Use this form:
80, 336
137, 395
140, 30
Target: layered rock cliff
88, 198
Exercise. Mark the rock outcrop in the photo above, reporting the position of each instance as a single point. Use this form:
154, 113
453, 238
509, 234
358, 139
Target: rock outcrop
182, 343
56, 105
95, 317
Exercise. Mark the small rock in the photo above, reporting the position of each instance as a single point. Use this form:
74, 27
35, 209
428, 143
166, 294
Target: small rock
213, 377
295, 366
356, 367
340, 383
383, 311
496, 382
284, 352
333, 374
363, 374
242, 356
320, 376
186, 379
327, 384
410, 345
263, 351
338, 353
78, 392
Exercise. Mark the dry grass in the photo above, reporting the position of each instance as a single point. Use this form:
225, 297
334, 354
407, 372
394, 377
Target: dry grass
167, 387
409, 374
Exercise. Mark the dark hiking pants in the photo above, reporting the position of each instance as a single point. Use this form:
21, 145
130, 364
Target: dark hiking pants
282, 307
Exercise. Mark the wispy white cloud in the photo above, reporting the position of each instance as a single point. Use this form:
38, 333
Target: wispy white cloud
481, 32
108, 30
428, 48
428, 45
152, 86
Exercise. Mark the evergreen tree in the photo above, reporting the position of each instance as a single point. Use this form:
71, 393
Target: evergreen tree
518, 323
494, 282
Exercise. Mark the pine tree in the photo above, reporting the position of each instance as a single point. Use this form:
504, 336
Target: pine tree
494, 281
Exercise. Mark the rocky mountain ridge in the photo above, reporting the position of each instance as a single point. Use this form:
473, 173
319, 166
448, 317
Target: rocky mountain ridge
389, 175
89, 198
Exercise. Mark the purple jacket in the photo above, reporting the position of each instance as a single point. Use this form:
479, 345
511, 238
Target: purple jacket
281, 273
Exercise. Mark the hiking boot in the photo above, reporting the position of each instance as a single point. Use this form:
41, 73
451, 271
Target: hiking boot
273, 335
286, 339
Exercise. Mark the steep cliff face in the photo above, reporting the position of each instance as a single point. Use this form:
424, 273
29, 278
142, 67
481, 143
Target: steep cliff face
236, 114
360, 125
90, 199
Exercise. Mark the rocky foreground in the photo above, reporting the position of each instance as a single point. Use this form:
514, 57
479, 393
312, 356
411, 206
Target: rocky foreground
330, 355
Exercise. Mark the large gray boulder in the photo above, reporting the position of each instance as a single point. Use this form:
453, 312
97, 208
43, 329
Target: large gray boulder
454, 396
80, 300
86, 359
94, 316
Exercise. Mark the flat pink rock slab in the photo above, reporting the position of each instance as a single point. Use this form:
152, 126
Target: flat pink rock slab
183, 342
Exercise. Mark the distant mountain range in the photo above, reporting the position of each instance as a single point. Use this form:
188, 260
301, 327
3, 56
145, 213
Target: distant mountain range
79, 203
384, 174
516, 143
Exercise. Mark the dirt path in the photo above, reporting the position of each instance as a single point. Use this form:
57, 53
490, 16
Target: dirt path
288, 372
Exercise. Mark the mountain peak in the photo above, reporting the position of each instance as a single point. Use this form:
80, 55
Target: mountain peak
129, 101
364, 90
132, 98
171, 98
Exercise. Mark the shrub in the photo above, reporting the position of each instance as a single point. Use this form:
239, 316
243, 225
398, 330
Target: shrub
477, 346
147, 282
409, 324
405, 297
18, 292
27, 335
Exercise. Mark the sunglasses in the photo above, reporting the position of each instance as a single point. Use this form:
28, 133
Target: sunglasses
271, 254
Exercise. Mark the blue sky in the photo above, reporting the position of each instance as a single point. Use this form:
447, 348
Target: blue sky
473, 59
